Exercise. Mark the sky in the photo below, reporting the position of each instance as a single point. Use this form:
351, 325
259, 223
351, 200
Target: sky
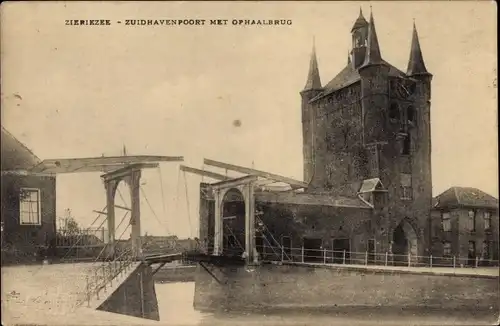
176, 90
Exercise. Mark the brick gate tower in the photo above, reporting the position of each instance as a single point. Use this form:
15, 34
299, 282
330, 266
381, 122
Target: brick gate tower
371, 125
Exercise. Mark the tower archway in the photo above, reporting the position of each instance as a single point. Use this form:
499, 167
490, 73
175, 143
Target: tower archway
404, 242
233, 223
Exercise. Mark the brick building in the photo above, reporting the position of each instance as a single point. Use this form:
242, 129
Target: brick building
465, 225
28, 210
367, 134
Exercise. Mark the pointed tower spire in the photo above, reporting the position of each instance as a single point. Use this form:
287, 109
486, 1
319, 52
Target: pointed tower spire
313, 80
124, 150
373, 56
416, 65
360, 22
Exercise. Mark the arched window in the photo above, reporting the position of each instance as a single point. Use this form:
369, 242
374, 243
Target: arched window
394, 112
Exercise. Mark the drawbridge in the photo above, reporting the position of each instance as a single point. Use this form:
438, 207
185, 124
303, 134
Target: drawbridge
120, 259
237, 220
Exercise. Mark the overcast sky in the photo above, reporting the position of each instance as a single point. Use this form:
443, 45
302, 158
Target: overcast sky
87, 91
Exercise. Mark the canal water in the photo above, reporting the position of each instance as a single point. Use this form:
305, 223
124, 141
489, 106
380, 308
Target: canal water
175, 302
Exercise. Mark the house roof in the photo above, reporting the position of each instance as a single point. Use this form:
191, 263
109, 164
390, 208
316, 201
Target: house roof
349, 75
15, 155
309, 199
465, 197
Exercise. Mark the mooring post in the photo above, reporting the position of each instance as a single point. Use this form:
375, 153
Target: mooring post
343, 258
366, 257
477, 261
431, 261
386, 256
302, 253
454, 262
142, 294
409, 259
324, 256
282, 253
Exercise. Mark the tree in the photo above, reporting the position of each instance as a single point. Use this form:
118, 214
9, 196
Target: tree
69, 225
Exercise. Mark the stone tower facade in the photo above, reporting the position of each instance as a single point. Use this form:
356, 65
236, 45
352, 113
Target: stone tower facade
371, 123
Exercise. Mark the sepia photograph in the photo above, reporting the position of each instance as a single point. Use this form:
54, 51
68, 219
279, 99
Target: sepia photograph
249, 163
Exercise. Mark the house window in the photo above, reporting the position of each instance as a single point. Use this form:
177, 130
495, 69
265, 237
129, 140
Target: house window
29, 207
446, 221
373, 159
471, 221
446, 249
486, 250
406, 186
487, 220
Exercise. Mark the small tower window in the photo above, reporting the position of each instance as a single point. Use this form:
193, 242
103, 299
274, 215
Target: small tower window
410, 115
406, 186
394, 112
359, 39
406, 145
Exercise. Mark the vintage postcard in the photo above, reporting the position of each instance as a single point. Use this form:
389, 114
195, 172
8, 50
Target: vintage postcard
249, 163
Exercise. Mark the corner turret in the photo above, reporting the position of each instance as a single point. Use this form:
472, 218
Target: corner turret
311, 90
359, 40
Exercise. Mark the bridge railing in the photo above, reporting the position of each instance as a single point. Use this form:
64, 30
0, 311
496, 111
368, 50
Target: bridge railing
345, 257
326, 256
101, 277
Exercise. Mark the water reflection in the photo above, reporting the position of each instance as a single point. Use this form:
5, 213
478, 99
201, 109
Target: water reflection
175, 302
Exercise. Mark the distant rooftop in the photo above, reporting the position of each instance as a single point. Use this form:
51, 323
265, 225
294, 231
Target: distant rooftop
465, 197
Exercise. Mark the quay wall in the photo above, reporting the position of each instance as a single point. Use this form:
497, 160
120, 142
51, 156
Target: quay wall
288, 286
135, 297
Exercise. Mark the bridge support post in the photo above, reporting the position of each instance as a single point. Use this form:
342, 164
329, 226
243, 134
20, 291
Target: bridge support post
246, 186
110, 186
131, 175
250, 248
133, 181
218, 232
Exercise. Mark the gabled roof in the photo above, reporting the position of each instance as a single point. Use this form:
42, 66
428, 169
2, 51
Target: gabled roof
370, 185
349, 75
465, 197
15, 155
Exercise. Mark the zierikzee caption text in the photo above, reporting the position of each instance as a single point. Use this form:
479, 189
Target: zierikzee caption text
179, 22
